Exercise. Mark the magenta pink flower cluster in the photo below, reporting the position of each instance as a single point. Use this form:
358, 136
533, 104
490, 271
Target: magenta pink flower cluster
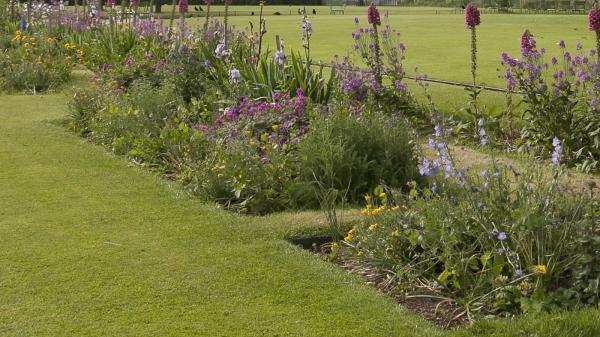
527, 43
472, 16
110, 3
594, 20
373, 15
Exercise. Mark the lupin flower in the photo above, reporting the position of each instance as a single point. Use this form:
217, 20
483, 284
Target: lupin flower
182, 6
235, 76
594, 20
373, 15
472, 16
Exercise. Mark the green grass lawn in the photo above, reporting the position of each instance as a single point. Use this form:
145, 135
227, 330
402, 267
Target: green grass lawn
92, 246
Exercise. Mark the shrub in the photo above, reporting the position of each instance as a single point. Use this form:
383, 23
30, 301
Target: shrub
354, 153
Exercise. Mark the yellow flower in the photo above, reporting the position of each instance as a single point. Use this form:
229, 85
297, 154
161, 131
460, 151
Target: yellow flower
382, 195
360, 254
349, 236
395, 233
248, 133
395, 208
373, 227
367, 197
50, 40
80, 53
540, 269
26, 45
68, 58
275, 127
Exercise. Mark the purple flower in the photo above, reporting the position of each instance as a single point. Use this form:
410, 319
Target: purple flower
279, 58
234, 76
501, 236
472, 16
561, 44
373, 15
594, 20
356, 20
220, 50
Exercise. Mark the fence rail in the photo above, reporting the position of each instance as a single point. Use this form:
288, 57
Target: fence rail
430, 80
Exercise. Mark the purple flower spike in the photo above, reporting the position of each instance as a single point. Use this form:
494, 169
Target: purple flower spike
472, 16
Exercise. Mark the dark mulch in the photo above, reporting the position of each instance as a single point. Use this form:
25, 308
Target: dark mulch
445, 315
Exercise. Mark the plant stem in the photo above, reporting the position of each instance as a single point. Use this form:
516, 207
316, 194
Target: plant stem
172, 13
225, 23
207, 15
377, 57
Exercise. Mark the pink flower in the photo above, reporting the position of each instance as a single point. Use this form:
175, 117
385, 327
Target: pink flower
373, 15
110, 3
472, 16
594, 20
183, 6
527, 43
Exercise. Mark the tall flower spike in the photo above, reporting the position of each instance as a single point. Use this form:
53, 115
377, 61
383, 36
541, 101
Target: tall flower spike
594, 20
373, 15
528, 44
183, 6
472, 16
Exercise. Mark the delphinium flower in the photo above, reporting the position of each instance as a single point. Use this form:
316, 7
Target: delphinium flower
23, 26
594, 25
182, 7
472, 16
557, 152
279, 58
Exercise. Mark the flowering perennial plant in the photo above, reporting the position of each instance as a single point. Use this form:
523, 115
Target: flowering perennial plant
562, 101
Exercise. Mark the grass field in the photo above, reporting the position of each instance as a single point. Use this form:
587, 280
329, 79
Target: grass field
438, 44
94, 247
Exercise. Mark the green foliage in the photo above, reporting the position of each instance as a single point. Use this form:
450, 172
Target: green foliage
352, 154
503, 241
34, 63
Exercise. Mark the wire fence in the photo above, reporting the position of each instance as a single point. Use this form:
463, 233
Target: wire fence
426, 79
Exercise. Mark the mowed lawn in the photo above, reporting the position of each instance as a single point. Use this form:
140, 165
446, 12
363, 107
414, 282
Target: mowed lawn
437, 44
92, 246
